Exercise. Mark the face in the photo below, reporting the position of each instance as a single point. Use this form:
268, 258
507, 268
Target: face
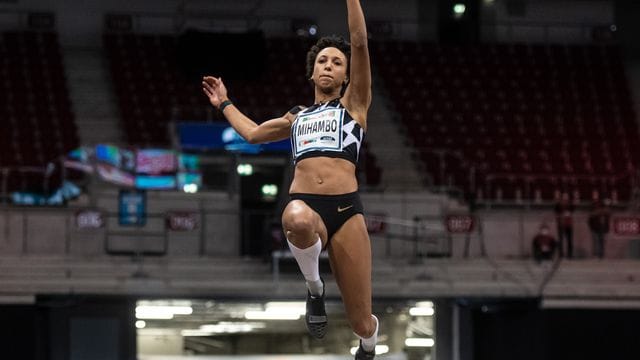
330, 69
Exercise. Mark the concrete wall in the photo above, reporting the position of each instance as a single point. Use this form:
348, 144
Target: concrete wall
25, 231
506, 233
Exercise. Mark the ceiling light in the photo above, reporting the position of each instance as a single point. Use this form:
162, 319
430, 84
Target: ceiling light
459, 9
156, 314
428, 304
419, 342
225, 327
190, 188
278, 310
421, 311
194, 332
244, 169
422, 308
182, 310
269, 190
292, 305
162, 312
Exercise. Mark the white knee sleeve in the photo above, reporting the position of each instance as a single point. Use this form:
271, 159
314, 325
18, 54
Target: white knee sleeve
308, 260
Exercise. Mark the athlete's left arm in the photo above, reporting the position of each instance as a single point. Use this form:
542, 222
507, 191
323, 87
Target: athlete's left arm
357, 97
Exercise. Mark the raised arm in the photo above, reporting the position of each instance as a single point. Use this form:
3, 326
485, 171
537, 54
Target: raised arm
358, 93
268, 131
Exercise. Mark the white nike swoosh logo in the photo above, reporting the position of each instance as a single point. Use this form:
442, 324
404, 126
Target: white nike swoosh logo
341, 209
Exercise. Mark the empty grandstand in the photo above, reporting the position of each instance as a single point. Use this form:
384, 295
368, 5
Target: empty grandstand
135, 225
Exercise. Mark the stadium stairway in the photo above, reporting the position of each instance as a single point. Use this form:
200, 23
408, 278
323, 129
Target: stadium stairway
389, 146
633, 71
92, 96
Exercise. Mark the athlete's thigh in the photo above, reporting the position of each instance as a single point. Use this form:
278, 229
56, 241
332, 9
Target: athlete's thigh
350, 257
298, 214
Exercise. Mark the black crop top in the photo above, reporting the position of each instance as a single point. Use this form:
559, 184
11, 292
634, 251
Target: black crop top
326, 130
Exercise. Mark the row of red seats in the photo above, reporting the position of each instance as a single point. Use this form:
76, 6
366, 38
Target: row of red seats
501, 121
35, 109
152, 90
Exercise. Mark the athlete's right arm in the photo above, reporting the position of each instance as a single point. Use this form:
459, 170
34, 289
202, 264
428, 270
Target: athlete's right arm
268, 131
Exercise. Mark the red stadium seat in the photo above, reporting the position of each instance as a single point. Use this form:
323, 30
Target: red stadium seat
39, 122
536, 112
138, 62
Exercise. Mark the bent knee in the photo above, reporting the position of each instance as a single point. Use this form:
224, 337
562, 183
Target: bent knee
298, 223
299, 220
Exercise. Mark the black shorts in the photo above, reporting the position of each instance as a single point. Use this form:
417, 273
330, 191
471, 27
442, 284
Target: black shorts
334, 210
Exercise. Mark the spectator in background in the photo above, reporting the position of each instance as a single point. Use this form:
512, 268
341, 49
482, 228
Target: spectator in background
599, 225
564, 219
544, 245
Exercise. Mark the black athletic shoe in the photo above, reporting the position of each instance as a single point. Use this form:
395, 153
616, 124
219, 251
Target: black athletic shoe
363, 354
316, 317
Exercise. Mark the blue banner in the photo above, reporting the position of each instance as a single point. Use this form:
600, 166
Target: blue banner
132, 208
221, 136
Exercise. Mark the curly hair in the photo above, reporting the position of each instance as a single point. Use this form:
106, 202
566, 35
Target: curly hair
327, 41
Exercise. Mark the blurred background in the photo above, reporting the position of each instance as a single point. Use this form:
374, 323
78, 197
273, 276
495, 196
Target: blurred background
499, 177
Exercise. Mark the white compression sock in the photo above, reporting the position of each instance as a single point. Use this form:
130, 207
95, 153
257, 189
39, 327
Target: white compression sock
309, 265
369, 344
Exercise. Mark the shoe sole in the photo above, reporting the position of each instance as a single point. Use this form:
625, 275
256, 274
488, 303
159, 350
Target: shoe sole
317, 326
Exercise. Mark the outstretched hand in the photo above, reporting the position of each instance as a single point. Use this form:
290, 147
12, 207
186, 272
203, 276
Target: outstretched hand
214, 89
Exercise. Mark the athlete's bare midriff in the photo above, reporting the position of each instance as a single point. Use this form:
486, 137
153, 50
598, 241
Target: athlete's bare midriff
324, 175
